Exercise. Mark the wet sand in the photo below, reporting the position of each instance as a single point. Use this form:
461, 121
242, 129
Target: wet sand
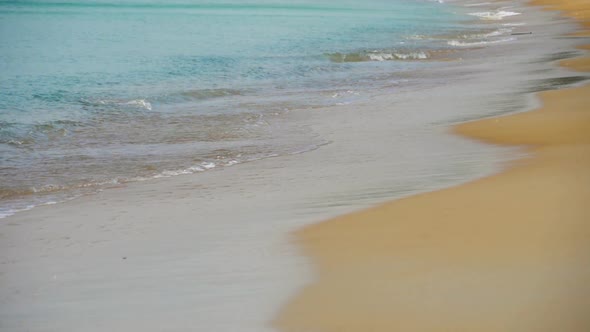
509, 252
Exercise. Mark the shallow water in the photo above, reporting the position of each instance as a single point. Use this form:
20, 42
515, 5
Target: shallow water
95, 94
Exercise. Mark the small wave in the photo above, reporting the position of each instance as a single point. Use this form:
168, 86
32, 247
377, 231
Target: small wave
478, 43
9, 212
206, 165
418, 37
135, 103
495, 15
141, 103
202, 167
15, 142
481, 34
346, 93
167, 174
378, 56
497, 33
49, 188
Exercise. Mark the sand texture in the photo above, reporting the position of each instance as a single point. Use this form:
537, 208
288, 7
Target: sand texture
510, 252
577, 9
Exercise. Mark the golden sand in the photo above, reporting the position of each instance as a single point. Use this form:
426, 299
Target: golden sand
510, 252
578, 64
577, 9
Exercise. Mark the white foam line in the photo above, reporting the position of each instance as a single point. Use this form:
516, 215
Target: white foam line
497, 15
464, 44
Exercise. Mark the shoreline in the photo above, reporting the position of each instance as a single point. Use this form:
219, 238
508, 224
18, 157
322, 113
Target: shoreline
508, 252
228, 125
213, 252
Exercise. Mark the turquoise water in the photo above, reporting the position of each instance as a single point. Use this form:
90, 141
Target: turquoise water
98, 93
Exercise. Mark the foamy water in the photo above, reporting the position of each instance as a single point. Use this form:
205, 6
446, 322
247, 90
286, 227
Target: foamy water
494, 15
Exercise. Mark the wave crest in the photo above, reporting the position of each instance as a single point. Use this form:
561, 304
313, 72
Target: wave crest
478, 43
119, 103
378, 56
495, 15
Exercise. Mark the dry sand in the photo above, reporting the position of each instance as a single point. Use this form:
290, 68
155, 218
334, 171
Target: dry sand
510, 252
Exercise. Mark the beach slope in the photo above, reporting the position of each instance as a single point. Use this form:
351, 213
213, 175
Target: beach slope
510, 252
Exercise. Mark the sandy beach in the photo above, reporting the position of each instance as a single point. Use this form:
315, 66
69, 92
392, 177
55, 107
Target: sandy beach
508, 252
489, 232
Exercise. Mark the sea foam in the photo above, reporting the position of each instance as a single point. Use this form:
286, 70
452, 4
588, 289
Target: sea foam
378, 56
141, 103
478, 43
495, 15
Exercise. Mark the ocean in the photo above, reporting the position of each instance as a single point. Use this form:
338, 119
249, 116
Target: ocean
96, 94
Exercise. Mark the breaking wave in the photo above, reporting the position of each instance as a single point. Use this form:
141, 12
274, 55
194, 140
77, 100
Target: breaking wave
119, 103
462, 35
379, 56
459, 43
494, 15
